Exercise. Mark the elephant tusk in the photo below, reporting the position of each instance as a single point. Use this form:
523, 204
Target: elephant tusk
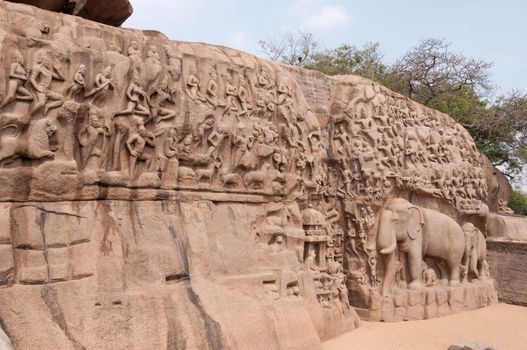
390, 249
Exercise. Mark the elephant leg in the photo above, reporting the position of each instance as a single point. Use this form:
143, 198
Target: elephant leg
473, 265
389, 273
443, 279
454, 274
403, 283
415, 268
482, 267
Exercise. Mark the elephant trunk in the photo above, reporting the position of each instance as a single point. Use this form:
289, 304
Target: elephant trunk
390, 249
386, 244
389, 273
386, 240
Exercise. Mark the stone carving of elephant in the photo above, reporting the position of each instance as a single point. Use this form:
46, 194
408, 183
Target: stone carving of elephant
475, 257
418, 232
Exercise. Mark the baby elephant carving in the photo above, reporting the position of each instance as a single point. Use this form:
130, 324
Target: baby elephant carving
33, 144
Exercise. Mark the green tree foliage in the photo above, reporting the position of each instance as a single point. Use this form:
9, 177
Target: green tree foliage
518, 202
348, 59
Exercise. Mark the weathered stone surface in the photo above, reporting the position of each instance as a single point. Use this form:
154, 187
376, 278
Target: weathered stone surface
159, 194
499, 188
507, 227
508, 265
151, 275
113, 12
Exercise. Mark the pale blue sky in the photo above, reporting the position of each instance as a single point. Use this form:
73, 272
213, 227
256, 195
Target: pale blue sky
490, 29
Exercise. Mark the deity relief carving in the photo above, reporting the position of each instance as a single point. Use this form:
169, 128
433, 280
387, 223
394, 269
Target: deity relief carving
359, 186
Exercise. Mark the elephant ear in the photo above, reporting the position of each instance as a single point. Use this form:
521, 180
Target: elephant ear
415, 222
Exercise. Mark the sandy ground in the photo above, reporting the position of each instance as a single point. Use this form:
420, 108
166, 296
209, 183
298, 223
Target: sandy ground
501, 325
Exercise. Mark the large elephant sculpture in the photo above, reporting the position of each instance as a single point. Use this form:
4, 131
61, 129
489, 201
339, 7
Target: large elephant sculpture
475, 257
418, 233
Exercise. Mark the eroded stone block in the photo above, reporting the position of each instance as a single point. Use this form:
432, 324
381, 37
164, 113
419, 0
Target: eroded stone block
32, 266
7, 264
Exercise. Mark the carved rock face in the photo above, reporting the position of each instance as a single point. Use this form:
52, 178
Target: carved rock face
149, 203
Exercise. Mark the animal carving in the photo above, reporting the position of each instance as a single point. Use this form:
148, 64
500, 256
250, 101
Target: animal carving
256, 179
474, 259
207, 172
34, 144
230, 179
419, 233
186, 174
429, 275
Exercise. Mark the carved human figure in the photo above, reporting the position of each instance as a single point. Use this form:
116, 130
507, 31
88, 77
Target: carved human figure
244, 142
278, 244
76, 88
185, 148
122, 126
17, 78
91, 137
168, 159
153, 64
205, 128
316, 158
193, 85
285, 100
137, 99
265, 80
103, 84
429, 275
135, 56
42, 76
159, 97
243, 98
343, 291
292, 135
309, 263
67, 116
136, 143
231, 94
212, 89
